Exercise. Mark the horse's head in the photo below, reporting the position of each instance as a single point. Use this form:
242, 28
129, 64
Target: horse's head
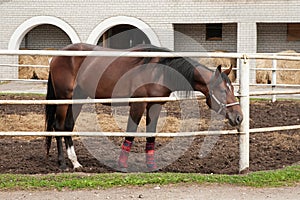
221, 97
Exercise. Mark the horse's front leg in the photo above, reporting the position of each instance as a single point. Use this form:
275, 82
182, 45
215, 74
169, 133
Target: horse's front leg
135, 115
153, 111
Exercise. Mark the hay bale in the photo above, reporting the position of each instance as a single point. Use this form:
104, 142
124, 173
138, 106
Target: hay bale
26, 72
33, 72
42, 73
225, 62
263, 77
283, 77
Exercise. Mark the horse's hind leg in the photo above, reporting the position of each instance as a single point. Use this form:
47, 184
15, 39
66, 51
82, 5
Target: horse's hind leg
72, 114
65, 122
61, 111
61, 158
71, 152
153, 111
69, 126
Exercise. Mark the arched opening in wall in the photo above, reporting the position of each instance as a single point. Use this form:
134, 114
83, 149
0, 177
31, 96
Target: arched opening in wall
123, 37
45, 36
42, 37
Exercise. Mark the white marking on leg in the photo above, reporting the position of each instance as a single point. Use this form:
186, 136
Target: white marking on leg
72, 156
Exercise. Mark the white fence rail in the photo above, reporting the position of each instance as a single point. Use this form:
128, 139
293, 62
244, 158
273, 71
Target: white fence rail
280, 56
141, 134
92, 101
244, 94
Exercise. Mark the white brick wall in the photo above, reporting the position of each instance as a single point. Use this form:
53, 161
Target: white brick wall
272, 38
192, 37
160, 15
8, 72
45, 36
246, 37
246, 43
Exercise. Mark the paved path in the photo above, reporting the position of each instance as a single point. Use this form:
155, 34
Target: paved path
184, 192
23, 87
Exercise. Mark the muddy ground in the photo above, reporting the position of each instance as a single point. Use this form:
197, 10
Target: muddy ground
274, 150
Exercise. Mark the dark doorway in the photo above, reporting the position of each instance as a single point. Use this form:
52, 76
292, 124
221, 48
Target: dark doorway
123, 37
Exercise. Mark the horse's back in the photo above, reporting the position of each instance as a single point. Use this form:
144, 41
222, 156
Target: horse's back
91, 47
99, 76
81, 47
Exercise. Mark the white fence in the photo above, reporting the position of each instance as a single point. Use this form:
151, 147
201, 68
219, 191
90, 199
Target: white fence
244, 95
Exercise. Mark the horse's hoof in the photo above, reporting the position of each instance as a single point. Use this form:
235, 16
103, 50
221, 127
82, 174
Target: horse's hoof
63, 167
77, 166
78, 169
122, 169
152, 168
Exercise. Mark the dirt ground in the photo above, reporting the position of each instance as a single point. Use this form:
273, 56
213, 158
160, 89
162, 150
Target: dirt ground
272, 150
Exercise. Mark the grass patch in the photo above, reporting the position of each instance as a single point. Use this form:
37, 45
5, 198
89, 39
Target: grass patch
73, 181
23, 94
278, 99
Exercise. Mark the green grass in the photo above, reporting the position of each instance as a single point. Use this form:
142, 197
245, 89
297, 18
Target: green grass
23, 94
73, 181
269, 99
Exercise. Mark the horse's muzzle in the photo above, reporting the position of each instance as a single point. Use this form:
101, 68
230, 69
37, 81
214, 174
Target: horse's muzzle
235, 118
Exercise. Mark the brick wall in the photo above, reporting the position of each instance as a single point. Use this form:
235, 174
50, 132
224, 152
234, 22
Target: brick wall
272, 38
240, 18
246, 43
192, 37
8, 72
45, 36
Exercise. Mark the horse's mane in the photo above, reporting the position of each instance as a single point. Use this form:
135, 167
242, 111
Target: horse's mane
181, 77
184, 66
149, 48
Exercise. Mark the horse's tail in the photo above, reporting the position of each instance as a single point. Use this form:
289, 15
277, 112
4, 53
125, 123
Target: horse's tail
50, 112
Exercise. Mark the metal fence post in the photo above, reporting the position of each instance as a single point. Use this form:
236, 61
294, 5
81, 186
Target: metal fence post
245, 106
274, 66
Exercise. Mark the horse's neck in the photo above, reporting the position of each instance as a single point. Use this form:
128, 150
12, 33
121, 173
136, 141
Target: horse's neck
203, 76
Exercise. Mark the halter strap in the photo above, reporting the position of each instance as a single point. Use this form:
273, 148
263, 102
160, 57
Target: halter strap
211, 95
222, 105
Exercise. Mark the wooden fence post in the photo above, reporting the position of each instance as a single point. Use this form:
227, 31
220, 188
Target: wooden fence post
244, 102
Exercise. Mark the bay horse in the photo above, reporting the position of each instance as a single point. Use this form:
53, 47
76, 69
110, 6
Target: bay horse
79, 77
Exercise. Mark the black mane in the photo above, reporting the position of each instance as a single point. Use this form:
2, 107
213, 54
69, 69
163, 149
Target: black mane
149, 48
184, 66
182, 76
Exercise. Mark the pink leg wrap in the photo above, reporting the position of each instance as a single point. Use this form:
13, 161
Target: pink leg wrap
123, 158
150, 159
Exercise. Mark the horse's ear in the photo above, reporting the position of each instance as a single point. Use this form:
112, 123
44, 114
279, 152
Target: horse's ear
219, 68
227, 71
218, 71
